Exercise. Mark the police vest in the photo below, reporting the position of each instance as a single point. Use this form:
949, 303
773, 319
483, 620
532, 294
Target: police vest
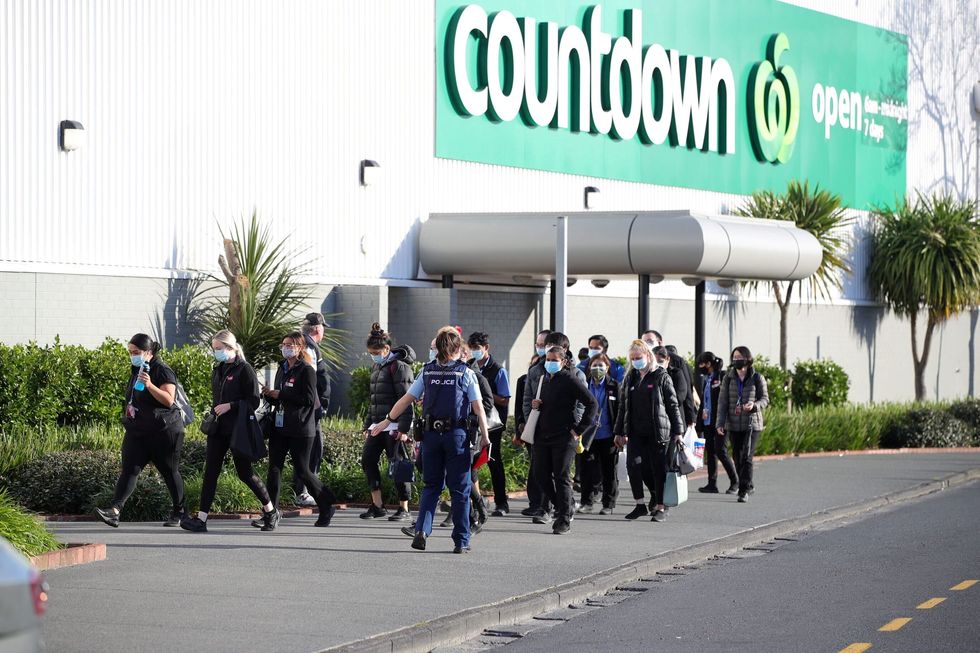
444, 396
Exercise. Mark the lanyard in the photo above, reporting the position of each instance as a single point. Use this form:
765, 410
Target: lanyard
741, 387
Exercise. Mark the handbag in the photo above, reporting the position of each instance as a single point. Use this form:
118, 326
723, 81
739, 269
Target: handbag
401, 469
532, 420
209, 424
675, 485
247, 440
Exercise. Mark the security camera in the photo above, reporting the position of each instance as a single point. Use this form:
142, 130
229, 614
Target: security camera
976, 97
600, 283
72, 135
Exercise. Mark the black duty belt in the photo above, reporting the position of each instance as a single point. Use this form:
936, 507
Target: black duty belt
442, 424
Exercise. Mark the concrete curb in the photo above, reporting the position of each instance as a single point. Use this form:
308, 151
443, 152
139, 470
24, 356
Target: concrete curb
71, 555
463, 625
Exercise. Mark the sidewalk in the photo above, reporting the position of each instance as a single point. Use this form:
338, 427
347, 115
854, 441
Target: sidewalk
305, 589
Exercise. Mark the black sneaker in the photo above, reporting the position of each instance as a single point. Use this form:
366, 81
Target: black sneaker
475, 527
530, 512
445, 506
710, 488
409, 530
542, 518
733, 489
194, 525
447, 522
109, 516
639, 511
500, 510
751, 491
374, 512
269, 520
659, 516
419, 541
651, 506
326, 514
742, 498
606, 511
460, 549
400, 515
174, 518
562, 526
585, 509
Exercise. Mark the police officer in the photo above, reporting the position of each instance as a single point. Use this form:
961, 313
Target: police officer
450, 393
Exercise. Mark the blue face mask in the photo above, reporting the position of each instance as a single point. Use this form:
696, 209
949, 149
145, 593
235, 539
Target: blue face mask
540, 351
137, 360
552, 367
220, 355
478, 354
639, 364
594, 352
432, 355
378, 358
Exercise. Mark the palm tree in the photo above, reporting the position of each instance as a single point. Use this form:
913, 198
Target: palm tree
260, 297
820, 213
925, 256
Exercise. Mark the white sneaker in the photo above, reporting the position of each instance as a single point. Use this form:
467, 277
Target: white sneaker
305, 500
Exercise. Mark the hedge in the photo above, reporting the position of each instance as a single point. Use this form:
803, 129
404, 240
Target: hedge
70, 385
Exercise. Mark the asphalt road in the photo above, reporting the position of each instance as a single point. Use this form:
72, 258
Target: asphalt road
826, 592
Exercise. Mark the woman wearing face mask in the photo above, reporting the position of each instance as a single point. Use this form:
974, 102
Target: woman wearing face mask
599, 475
743, 397
450, 393
234, 387
558, 432
649, 418
710, 370
154, 430
391, 377
295, 401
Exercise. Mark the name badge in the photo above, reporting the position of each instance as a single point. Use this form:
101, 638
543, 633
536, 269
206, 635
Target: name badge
130, 411
279, 420
230, 378
289, 383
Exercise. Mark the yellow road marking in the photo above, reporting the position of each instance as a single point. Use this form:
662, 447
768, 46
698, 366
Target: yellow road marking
856, 647
931, 603
965, 585
894, 624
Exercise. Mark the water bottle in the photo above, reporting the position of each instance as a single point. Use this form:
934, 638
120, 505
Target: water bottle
139, 386
579, 447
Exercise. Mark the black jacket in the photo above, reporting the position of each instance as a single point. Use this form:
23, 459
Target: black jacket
297, 399
231, 383
680, 374
518, 402
389, 383
559, 394
667, 416
322, 377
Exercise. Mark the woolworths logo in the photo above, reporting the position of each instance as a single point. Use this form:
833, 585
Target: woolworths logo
586, 80
774, 107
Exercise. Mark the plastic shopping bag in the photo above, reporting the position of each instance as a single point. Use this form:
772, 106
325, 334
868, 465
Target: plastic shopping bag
694, 448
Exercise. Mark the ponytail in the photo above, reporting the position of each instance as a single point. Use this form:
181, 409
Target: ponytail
144, 342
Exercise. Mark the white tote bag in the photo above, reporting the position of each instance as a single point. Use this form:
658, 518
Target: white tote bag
532, 420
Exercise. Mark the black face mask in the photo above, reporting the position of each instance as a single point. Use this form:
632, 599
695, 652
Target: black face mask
740, 364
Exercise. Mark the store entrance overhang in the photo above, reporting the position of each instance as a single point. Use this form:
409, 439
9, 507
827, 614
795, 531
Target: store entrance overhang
667, 244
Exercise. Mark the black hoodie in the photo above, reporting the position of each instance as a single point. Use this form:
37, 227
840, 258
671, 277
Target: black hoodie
389, 383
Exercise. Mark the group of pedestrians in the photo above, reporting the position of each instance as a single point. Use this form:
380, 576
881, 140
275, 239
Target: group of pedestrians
583, 414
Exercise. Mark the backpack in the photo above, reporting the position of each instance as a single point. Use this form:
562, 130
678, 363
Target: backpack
182, 404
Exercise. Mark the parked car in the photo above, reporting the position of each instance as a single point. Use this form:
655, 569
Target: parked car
23, 595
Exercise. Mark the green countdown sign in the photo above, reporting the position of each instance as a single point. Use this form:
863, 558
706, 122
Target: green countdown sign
724, 96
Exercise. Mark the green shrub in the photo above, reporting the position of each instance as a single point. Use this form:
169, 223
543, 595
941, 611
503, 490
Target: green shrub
192, 457
828, 428
927, 427
776, 379
359, 393
343, 441
23, 530
968, 412
819, 383
150, 501
21, 444
231, 495
67, 385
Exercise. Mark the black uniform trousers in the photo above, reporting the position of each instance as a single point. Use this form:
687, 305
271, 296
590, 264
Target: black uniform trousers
316, 457
552, 468
160, 448
298, 449
646, 461
743, 446
599, 473
715, 449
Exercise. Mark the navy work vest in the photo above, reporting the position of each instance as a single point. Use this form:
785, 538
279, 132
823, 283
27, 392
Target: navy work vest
444, 396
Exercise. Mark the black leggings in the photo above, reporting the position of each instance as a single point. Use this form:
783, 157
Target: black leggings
646, 461
383, 443
163, 450
299, 451
218, 446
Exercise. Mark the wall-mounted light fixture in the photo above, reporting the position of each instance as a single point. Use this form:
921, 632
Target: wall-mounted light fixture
656, 278
726, 283
600, 283
71, 135
591, 197
691, 281
571, 281
976, 97
370, 173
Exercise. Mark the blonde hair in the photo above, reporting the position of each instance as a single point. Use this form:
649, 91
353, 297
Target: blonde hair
641, 347
228, 339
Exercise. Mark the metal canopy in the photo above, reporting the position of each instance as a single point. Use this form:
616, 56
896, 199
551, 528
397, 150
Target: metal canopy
669, 244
